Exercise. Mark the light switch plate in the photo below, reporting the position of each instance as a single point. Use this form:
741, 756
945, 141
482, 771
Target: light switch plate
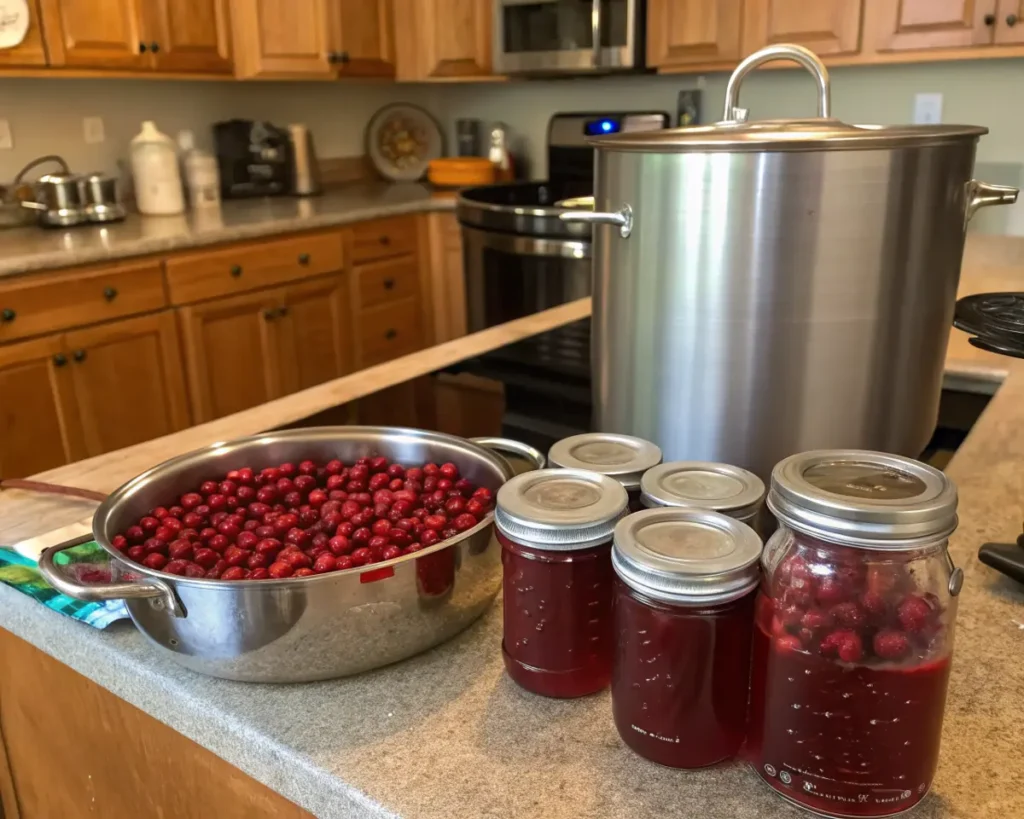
92, 130
6, 140
927, 109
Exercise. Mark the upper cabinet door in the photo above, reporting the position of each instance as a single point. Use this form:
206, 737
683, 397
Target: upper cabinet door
1010, 22
438, 39
827, 27
696, 31
281, 38
922, 24
362, 37
190, 35
30, 51
96, 33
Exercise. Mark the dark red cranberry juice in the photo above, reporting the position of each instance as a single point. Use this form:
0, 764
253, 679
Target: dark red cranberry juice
680, 680
844, 739
558, 637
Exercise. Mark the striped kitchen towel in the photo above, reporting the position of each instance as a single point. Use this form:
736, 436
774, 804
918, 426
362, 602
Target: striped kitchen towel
91, 563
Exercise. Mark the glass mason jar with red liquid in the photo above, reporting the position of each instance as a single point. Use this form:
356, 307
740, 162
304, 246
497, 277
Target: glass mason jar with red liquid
555, 528
621, 457
854, 632
704, 485
684, 610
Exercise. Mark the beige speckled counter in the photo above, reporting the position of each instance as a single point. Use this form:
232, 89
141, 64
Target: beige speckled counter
31, 248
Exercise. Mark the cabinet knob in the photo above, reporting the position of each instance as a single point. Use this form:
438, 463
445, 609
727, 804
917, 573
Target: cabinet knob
990, 19
142, 48
154, 47
236, 270
269, 315
60, 360
8, 315
303, 258
389, 284
385, 240
392, 333
332, 57
79, 355
110, 293
343, 57
1011, 20
282, 311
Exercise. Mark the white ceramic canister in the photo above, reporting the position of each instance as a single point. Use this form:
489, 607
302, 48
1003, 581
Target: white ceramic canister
158, 190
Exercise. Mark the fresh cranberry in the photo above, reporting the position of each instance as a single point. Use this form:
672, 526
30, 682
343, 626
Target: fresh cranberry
176, 566
304, 483
435, 522
381, 527
136, 553
280, 570
484, 495
363, 498
287, 470
378, 481
154, 545
235, 556
361, 536
175, 512
412, 486
207, 557
340, 545
304, 572
307, 467
342, 562
334, 467
245, 476
377, 542
282, 523
259, 574
475, 508
294, 558
349, 509
247, 540
429, 537
395, 484
317, 498
229, 529
202, 510
269, 546
257, 561
217, 569
267, 494
355, 486
359, 472
346, 529
464, 522
432, 503
298, 537
119, 542
218, 543
335, 483
378, 464
173, 524
246, 494
190, 500
444, 485
449, 471
465, 487
180, 550
208, 488
455, 506
384, 496
194, 570
284, 486
292, 499
325, 563
430, 484
391, 552
360, 557
399, 537
411, 548
381, 510
217, 503
154, 560
233, 573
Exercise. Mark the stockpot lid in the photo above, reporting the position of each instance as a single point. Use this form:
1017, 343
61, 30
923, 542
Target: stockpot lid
860, 498
559, 509
704, 485
622, 457
689, 556
821, 133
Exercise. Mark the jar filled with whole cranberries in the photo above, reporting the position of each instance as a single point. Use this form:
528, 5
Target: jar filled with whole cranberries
703, 485
555, 528
684, 610
854, 632
621, 457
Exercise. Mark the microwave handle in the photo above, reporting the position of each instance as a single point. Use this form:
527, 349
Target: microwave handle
595, 31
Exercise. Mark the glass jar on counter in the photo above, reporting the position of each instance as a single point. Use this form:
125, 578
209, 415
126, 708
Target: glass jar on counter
621, 457
722, 488
854, 632
684, 611
555, 528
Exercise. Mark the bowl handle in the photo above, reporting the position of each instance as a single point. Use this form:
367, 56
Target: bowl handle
508, 446
92, 592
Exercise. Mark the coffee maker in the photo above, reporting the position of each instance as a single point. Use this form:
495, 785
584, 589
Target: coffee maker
254, 158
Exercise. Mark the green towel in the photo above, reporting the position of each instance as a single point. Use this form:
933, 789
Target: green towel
91, 563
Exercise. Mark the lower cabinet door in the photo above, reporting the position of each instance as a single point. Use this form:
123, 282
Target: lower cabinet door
315, 334
128, 381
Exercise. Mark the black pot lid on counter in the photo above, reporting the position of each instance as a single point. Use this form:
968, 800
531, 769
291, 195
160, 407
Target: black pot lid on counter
995, 322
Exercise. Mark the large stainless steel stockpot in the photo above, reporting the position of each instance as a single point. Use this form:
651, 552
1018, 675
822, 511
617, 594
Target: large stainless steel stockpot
766, 288
311, 628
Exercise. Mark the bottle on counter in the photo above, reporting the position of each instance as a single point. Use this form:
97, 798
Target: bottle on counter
621, 457
686, 580
201, 173
704, 485
854, 632
555, 528
157, 180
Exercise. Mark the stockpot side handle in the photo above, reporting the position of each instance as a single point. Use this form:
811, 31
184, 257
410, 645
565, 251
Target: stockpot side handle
506, 446
982, 195
151, 587
784, 51
623, 218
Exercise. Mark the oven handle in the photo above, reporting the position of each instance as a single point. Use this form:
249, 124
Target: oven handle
595, 31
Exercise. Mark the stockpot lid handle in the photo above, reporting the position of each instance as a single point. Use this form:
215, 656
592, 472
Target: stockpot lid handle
784, 51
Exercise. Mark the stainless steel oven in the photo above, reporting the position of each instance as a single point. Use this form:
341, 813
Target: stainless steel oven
568, 36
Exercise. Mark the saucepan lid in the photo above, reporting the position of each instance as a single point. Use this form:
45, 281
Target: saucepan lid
995, 322
734, 133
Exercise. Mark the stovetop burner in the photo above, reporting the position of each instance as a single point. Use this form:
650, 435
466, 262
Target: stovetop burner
995, 322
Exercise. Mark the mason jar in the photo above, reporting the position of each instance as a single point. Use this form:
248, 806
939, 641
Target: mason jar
684, 611
621, 457
854, 632
722, 488
555, 528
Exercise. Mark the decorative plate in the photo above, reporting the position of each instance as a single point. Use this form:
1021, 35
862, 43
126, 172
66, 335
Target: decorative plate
401, 139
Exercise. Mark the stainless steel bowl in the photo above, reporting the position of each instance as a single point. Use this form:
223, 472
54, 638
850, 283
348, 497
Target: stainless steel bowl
311, 628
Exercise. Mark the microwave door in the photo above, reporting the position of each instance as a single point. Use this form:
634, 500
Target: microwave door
548, 36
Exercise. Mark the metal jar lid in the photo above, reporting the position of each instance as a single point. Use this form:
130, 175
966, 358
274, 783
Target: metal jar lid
861, 498
560, 509
703, 485
623, 457
688, 556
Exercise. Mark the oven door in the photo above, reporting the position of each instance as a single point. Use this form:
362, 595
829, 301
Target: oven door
510, 276
566, 36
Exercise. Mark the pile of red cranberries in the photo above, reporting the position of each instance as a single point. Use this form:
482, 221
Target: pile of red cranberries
297, 521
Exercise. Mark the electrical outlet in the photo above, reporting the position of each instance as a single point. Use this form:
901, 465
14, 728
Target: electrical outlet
92, 130
927, 109
6, 140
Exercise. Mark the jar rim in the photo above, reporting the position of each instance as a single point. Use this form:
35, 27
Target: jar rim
719, 487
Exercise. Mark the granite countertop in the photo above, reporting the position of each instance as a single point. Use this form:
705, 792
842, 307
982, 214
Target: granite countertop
33, 248
448, 734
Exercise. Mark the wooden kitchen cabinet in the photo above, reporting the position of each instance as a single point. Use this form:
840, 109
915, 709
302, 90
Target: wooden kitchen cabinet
39, 426
96, 33
362, 37
128, 381
32, 50
282, 38
827, 27
443, 39
696, 31
190, 35
315, 334
927, 24
1009, 27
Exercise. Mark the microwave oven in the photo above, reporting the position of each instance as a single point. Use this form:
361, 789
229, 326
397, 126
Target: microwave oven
545, 37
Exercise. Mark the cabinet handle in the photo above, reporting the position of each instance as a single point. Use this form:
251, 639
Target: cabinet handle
389, 284
385, 240
110, 293
332, 57
60, 360
303, 258
142, 48
1011, 20
269, 315
392, 333
990, 19
343, 57
282, 311
154, 47
8, 315
79, 355
236, 270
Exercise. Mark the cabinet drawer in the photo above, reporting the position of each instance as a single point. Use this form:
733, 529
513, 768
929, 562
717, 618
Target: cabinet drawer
42, 304
390, 330
383, 238
387, 281
237, 269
